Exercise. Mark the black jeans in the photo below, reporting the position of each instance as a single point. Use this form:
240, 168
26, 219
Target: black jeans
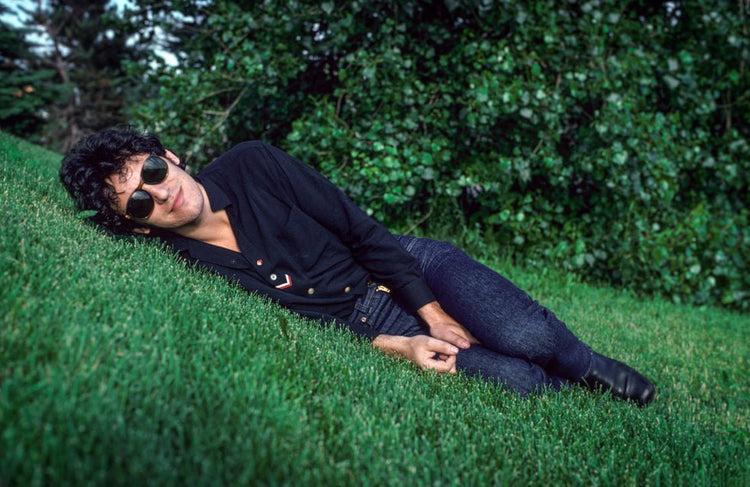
523, 345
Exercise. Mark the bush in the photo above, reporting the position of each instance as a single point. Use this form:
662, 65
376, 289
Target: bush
605, 137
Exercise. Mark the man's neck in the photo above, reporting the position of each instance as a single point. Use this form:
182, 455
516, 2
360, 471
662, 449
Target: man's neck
211, 227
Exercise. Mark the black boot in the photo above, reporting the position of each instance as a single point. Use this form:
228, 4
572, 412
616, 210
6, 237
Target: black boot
622, 381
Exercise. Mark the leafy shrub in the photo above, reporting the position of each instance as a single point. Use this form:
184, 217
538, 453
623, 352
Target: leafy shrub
606, 137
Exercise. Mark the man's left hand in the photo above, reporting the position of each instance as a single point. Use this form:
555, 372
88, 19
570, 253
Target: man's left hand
444, 327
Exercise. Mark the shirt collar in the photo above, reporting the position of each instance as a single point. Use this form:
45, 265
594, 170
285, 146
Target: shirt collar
196, 250
204, 252
218, 199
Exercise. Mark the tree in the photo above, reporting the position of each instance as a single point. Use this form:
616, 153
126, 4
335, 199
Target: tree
86, 45
24, 87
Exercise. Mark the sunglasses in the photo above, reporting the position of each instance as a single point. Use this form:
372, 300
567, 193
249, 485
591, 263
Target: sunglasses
141, 204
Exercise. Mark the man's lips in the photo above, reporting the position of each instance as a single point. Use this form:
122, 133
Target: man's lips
178, 200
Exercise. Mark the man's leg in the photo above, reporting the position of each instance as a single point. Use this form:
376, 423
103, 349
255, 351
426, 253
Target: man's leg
382, 314
514, 373
506, 320
502, 316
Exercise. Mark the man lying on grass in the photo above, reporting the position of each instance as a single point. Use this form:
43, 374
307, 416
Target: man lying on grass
260, 217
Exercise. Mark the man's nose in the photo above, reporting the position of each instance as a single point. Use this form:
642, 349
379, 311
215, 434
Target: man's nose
159, 192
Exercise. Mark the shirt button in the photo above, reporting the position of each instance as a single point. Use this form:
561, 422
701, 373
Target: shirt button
347, 289
363, 319
273, 277
311, 291
259, 262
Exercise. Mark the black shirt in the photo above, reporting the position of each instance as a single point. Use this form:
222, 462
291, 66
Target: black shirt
303, 242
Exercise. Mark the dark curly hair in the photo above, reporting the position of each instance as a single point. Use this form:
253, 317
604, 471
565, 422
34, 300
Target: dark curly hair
96, 157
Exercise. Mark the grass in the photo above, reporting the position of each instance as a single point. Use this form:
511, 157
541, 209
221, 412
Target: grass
121, 366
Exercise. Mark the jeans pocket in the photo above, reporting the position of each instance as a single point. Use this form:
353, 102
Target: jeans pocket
360, 315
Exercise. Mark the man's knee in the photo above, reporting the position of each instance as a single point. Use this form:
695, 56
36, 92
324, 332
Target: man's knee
439, 251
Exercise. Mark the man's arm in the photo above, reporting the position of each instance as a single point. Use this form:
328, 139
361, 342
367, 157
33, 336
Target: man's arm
437, 352
427, 352
370, 244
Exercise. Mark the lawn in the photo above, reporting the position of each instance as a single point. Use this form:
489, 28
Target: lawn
119, 365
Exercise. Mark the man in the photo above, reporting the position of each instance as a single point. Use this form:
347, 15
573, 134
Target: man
260, 217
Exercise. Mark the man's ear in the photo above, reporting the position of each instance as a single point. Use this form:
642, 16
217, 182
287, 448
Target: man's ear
171, 157
142, 230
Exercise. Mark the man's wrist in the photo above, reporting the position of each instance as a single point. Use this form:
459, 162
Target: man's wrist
392, 344
431, 313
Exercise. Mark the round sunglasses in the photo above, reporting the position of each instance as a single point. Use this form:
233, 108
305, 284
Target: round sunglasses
141, 204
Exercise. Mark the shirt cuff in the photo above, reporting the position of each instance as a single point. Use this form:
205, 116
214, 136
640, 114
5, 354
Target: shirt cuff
414, 295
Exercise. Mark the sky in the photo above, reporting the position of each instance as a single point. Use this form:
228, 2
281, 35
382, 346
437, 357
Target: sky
15, 17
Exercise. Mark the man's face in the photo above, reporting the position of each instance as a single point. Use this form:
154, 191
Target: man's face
178, 199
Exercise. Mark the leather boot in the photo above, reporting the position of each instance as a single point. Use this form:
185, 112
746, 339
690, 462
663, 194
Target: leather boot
621, 380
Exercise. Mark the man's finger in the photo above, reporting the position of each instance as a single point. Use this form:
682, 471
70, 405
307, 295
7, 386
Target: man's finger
452, 336
444, 366
442, 347
467, 335
450, 362
474, 340
460, 340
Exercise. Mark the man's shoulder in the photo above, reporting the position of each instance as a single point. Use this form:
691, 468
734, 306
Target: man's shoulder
254, 147
255, 163
251, 152
249, 145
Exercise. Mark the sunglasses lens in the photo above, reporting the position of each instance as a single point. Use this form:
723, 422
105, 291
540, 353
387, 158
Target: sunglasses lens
154, 170
140, 205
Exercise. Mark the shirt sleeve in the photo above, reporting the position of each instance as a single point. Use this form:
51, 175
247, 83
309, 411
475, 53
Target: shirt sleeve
371, 244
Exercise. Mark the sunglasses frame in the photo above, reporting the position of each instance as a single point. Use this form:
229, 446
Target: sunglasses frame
140, 188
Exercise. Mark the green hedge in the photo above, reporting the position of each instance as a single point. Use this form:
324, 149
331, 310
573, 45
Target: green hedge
605, 137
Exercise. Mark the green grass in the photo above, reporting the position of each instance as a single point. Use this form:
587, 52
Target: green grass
120, 365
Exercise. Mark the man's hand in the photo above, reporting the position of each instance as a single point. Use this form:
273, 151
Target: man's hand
445, 328
425, 351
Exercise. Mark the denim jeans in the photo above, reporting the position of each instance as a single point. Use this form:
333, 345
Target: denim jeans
523, 345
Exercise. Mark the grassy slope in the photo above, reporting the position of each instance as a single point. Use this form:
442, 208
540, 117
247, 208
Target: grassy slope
118, 365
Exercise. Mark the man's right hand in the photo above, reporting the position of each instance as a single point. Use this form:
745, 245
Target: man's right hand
425, 351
